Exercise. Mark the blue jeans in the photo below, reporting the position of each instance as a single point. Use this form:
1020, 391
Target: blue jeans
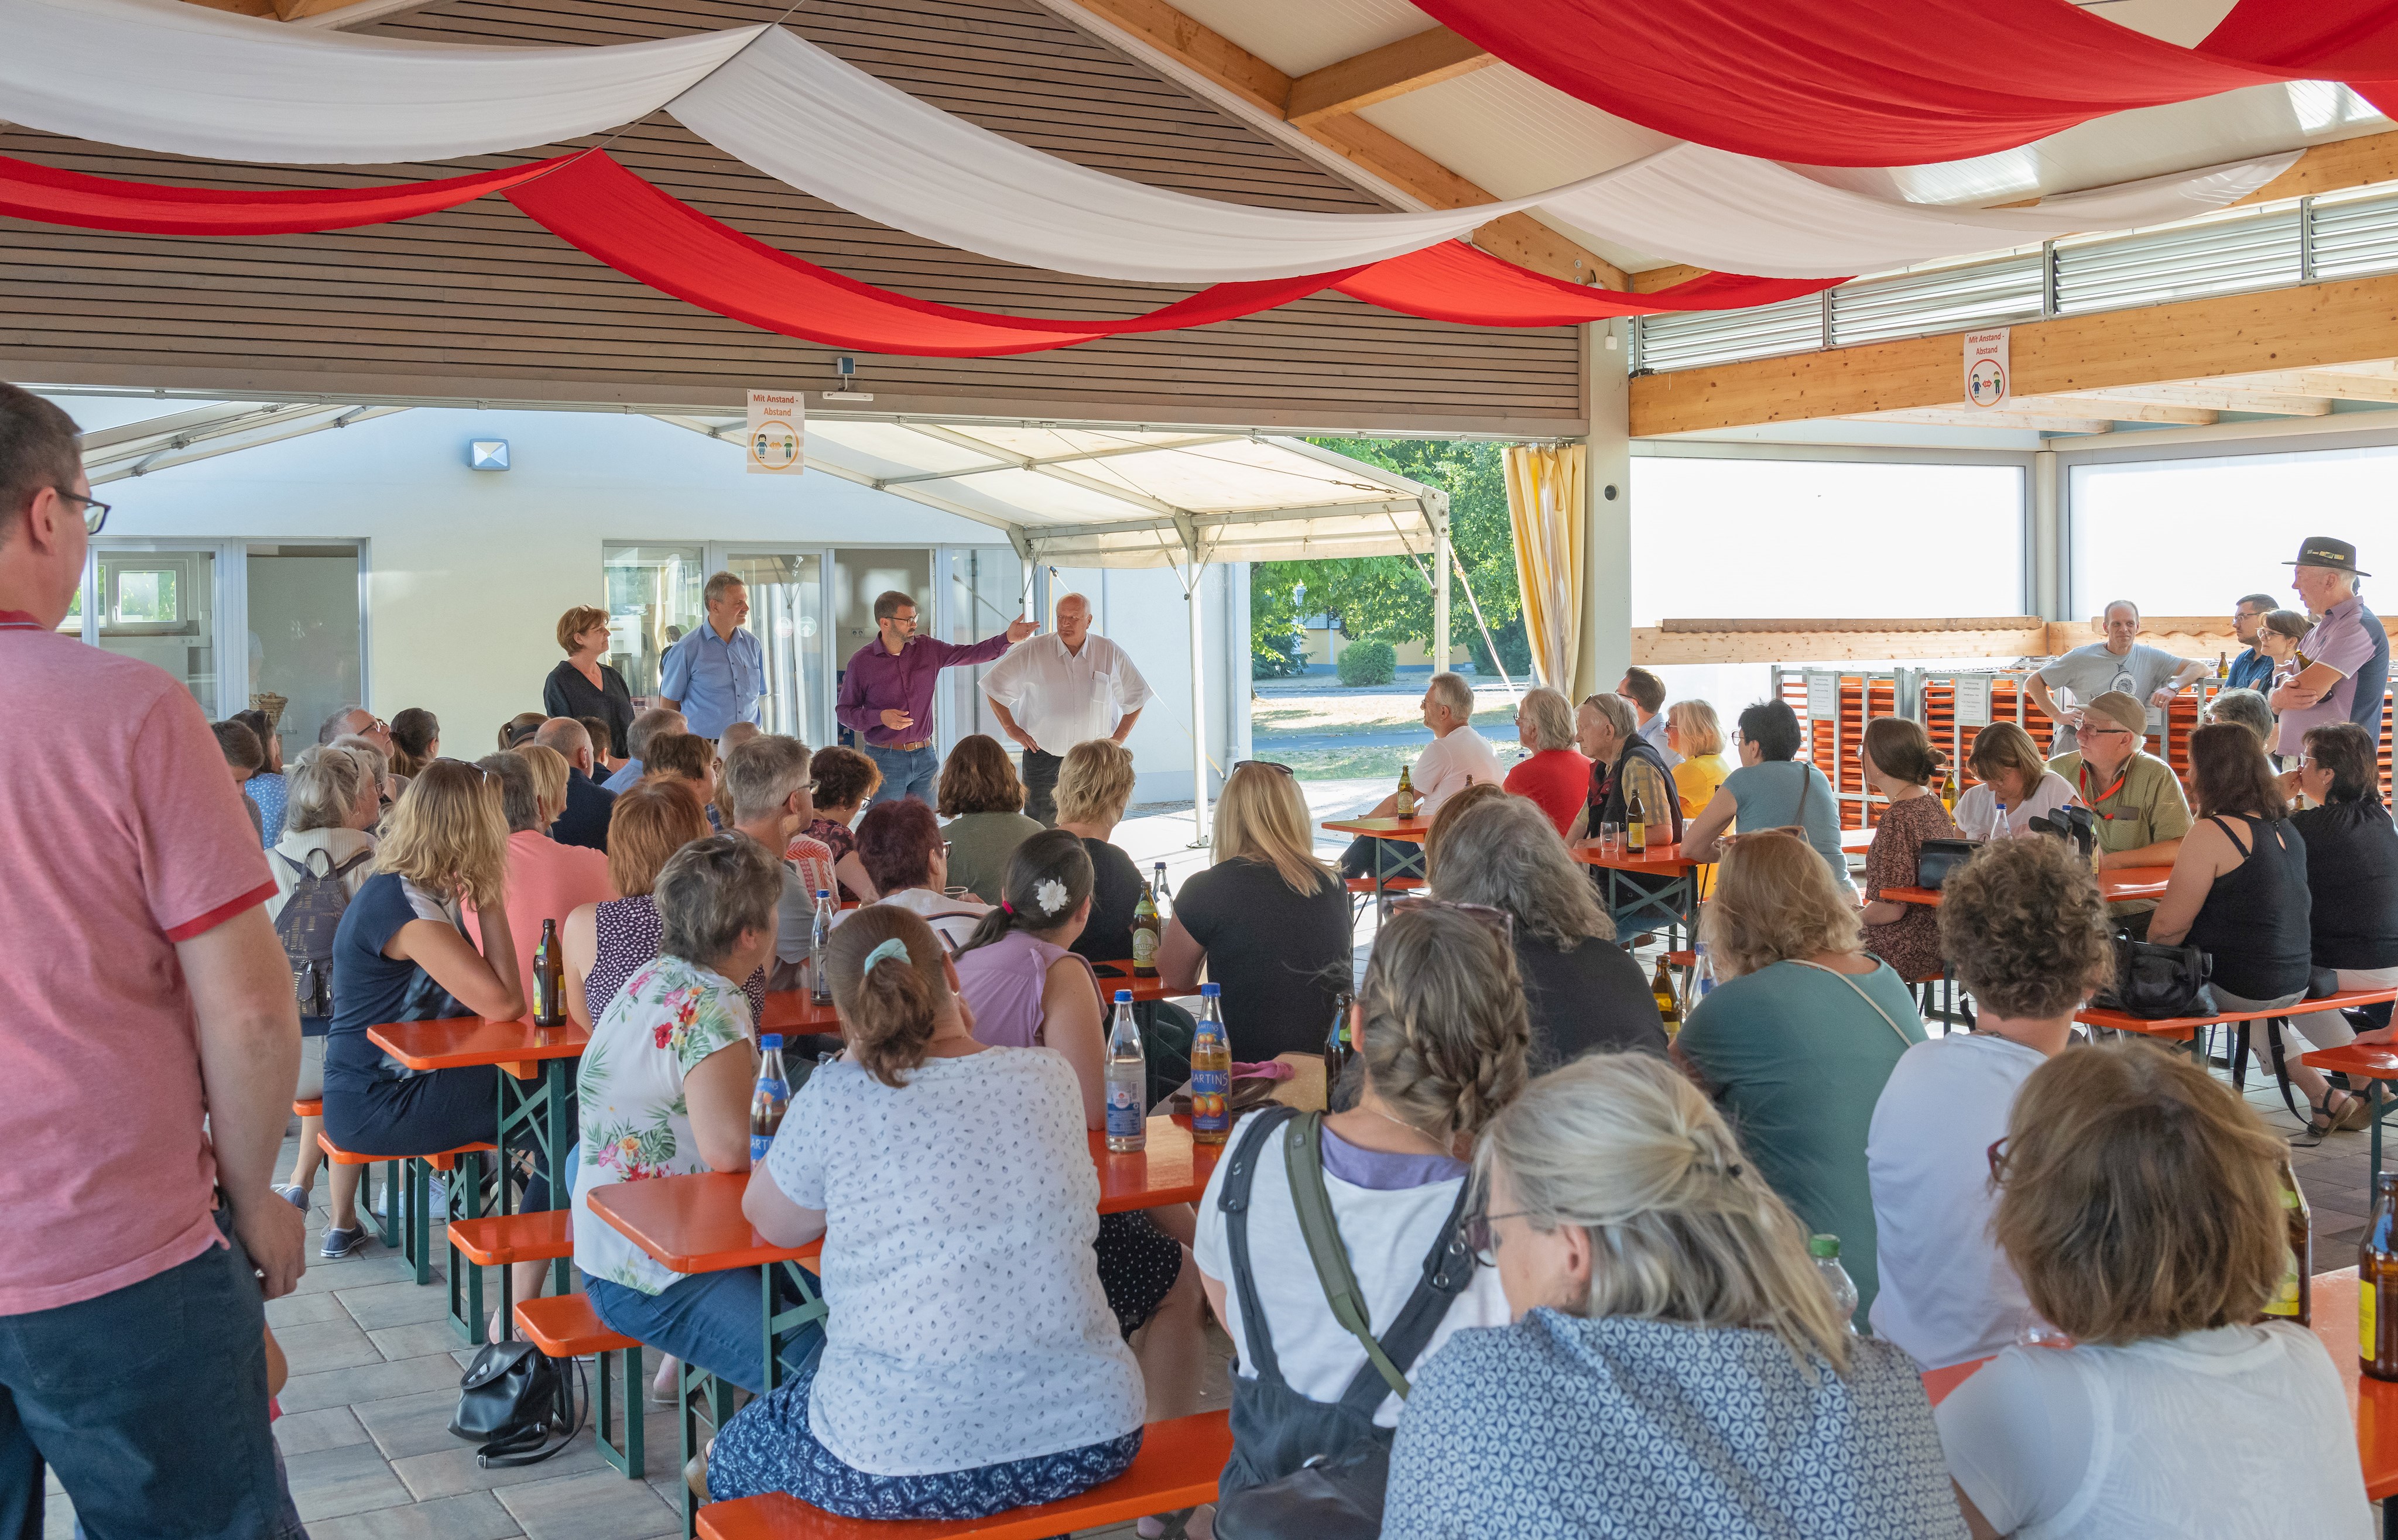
710, 1320
916, 773
150, 1402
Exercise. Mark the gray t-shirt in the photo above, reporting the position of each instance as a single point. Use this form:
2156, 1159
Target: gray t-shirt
2092, 671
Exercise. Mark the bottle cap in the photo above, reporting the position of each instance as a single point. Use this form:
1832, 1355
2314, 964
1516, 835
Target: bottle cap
1124, 996
1824, 1246
1210, 991
824, 892
770, 1040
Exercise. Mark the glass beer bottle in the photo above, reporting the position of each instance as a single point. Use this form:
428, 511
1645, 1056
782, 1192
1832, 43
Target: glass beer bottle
549, 978
1211, 1071
2294, 1298
2377, 1274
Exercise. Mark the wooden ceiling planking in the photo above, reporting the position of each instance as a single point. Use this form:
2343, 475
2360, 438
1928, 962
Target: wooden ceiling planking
480, 299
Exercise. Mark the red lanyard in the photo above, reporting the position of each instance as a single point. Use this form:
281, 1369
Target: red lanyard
2081, 783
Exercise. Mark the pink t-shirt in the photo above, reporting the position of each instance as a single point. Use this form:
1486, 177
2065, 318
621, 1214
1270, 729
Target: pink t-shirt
124, 835
547, 880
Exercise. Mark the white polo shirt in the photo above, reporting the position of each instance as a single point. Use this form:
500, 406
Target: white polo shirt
1065, 698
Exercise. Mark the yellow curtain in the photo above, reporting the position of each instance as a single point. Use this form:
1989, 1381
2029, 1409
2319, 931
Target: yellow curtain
1544, 504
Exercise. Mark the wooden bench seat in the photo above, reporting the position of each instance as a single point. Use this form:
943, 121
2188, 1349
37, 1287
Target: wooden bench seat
1389, 885
407, 1175
496, 1240
566, 1327
1177, 1467
309, 1109
2179, 1029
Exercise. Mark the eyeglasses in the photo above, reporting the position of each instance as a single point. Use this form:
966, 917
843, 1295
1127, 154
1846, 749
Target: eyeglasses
1998, 1156
1477, 1234
95, 511
1239, 765
1500, 922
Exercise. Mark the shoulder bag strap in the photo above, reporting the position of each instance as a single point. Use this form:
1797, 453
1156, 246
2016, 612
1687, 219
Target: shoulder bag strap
1303, 1157
1447, 1269
1861, 995
1232, 1201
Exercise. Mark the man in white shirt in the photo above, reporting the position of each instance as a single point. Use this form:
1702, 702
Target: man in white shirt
1051, 693
1456, 757
2025, 929
1647, 693
2121, 662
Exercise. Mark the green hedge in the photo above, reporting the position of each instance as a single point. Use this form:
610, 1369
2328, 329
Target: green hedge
1371, 662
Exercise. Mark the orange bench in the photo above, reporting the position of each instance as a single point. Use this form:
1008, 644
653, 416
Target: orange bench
407, 1178
498, 1240
2192, 1029
1362, 888
309, 1109
564, 1326
1177, 1467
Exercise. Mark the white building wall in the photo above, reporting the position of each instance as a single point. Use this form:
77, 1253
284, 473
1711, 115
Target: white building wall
467, 573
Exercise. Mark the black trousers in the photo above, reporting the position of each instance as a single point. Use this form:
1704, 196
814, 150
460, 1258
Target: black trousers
1040, 786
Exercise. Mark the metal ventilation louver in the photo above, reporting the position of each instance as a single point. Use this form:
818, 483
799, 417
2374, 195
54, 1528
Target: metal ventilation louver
2217, 257
1721, 336
2354, 236
1947, 299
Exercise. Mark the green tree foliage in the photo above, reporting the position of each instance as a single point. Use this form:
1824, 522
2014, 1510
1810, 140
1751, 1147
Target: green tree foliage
1371, 662
1387, 596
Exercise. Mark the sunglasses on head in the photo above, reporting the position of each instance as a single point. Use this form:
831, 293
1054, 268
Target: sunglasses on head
1499, 921
1240, 765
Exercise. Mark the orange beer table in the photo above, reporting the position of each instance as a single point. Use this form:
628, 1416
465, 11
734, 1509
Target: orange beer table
537, 1069
1671, 903
2122, 882
2372, 1404
1405, 831
790, 1010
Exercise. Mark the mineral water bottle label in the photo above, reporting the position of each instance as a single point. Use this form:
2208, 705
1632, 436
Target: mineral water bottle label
1209, 1087
1125, 1119
758, 1144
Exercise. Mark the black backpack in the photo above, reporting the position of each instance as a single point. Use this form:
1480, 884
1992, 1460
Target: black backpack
1304, 1470
311, 915
519, 1404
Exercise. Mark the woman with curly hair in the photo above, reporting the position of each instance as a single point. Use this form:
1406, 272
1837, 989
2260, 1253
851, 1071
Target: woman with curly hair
2025, 930
1441, 1031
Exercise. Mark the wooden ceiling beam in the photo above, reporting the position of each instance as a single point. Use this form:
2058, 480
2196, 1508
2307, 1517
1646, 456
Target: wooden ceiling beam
2173, 355
1377, 74
1380, 155
1962, 416
2122, 407
2242, 395
2340, 385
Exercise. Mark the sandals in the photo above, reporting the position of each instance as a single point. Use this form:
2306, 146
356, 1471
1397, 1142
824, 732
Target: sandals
2348, 1119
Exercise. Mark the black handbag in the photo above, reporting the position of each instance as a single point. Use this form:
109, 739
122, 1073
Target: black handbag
1937, 858
520, 1405
2155, 982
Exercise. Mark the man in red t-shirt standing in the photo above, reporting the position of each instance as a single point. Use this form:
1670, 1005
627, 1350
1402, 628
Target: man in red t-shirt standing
149, 1041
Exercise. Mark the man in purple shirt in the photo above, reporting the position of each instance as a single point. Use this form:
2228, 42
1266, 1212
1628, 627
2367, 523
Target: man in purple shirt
887, 694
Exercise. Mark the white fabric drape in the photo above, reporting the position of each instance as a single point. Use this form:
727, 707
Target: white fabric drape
802, 115
1736, 214
158, 74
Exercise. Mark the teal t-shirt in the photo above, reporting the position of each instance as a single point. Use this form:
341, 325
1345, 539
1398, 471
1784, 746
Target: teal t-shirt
1797, 1061
1775, 794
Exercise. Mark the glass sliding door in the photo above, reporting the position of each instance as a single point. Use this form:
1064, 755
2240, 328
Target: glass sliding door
302, 609
859, 574
984, 592
653, 598
787, 615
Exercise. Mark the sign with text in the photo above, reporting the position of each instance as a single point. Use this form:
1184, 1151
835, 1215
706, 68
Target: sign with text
1986, 368
1822, 695
1973, 700
777, 441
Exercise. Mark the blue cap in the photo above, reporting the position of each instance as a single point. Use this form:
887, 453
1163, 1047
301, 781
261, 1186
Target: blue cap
1124, 996
770, 1040
1211, 989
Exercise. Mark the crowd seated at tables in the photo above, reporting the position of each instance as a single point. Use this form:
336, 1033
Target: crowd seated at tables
1586, 1246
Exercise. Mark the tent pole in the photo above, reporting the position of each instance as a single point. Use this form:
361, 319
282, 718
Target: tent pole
1198, 711
1440, 561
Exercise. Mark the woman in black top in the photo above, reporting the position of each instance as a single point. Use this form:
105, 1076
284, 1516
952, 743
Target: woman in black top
2239, 887
583, 685
1582, 990
1270, 920
1094, 785
2352, 870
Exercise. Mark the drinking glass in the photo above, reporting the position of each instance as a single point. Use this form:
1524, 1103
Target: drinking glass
1610, 839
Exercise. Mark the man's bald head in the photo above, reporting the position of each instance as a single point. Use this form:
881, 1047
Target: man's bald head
1073, 619
570, 738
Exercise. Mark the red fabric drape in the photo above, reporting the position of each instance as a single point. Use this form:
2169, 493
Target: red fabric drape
594, 202
52, 196
1905, 82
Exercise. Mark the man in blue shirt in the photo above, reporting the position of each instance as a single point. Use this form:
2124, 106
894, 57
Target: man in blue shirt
647, 728
2251, 669
716, 675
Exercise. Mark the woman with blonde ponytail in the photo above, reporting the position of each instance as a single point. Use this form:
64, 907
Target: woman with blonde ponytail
1676, 1366
971, 1364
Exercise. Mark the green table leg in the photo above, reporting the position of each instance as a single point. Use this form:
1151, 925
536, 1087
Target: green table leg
625, 1454
466, 1279
719, 1411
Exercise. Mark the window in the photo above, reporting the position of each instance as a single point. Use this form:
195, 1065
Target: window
146, 595
653, 598
159, 603
2189, 537
1822, 539
303, 635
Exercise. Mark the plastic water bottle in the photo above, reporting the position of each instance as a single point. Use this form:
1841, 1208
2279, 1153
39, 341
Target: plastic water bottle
1163, 894
1127, 1082
1826, 1250
1702, 970
1999, 829
1211, 1072
771, 1099
819, 939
